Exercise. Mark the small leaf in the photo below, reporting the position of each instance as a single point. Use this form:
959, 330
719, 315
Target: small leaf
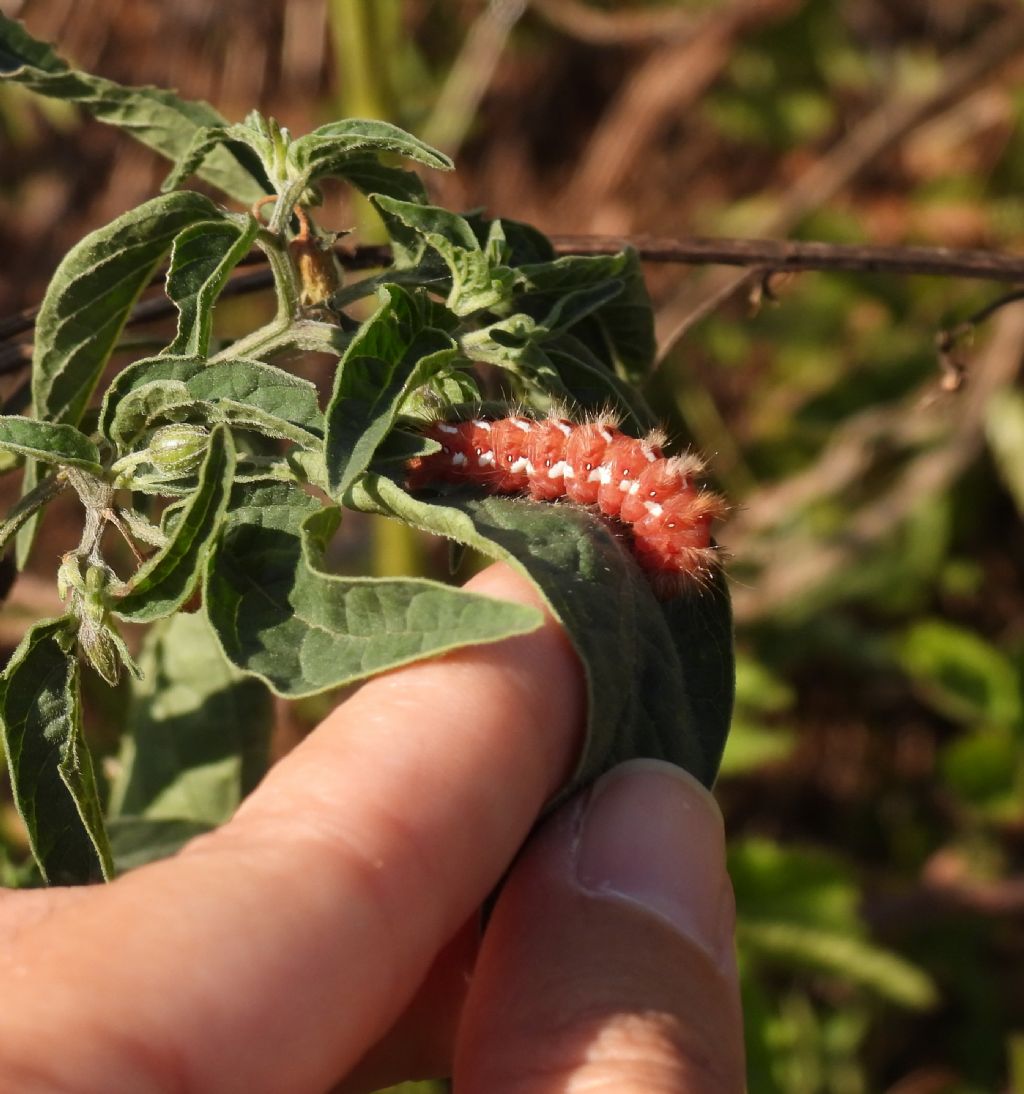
394, 353
50, 767
169, 578
151, 115
280, 616
659, 676
130, 406
57, 444
198, 731
329, 149
91, 296
202, 258
478, 282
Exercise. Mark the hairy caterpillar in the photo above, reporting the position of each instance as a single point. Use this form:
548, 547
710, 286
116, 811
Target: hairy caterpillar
592, 464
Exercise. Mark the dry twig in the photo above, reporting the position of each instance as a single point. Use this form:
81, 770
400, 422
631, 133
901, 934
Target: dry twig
881, 130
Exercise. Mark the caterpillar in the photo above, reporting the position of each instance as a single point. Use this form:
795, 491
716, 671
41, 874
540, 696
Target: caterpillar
591, 464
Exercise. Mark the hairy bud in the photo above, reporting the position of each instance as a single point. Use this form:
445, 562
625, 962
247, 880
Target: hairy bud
176, 450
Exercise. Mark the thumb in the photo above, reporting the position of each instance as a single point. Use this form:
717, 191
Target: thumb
608, 963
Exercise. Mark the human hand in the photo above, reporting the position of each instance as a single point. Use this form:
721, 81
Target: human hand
329, 929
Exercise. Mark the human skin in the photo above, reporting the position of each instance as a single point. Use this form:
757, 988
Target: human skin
329, 932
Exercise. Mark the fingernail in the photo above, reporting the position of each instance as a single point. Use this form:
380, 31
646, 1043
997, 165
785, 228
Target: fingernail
651, 834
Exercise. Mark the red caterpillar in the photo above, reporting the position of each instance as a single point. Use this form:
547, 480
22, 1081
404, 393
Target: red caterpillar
590, 464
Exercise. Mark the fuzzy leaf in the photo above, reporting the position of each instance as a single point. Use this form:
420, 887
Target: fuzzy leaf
49, 443
198, 731
128, 409
91, 296
280, 616
659, 676
202, 258
478, 281
394, 353
165, 581
153, 116
50, 767
329, 149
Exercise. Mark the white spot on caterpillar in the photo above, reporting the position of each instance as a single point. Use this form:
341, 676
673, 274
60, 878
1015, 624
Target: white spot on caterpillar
634, 486
522, 464
485, 458
562, 427
458, 459
650, 455
606, 435
522, 423
624, 486
653, 508
445, 428
602, 474
560, 470
481, 424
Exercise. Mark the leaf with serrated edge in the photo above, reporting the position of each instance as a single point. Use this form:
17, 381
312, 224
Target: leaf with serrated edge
51, 770
165, 581
49, 443
153, 116
92, 294
659, 676
202, 258
198, 730
279, 616
267, 389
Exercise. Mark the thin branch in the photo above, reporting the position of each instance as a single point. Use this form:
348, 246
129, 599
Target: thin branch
776, 255
891, 121
783, 255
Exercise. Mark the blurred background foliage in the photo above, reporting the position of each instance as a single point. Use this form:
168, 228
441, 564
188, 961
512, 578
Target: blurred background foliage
874, 782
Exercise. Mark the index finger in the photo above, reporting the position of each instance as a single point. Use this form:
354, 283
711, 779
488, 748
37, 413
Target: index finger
270, 954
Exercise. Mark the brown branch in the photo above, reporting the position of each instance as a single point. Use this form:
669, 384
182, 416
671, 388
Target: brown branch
784, 255
891, 121
762, 254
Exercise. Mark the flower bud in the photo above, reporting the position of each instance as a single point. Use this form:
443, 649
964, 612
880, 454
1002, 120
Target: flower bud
176, 450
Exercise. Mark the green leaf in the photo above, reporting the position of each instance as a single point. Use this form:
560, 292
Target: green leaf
63, 445
329, 150
165, 581
280, 616
478, 282
135, 841
27, 506
961, 675
198, 730
619, 331
131, 407
659, 676
91, 296
1004, 427
394, 353
852, 960
368, 175
157, 118
202, 258
50, 767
